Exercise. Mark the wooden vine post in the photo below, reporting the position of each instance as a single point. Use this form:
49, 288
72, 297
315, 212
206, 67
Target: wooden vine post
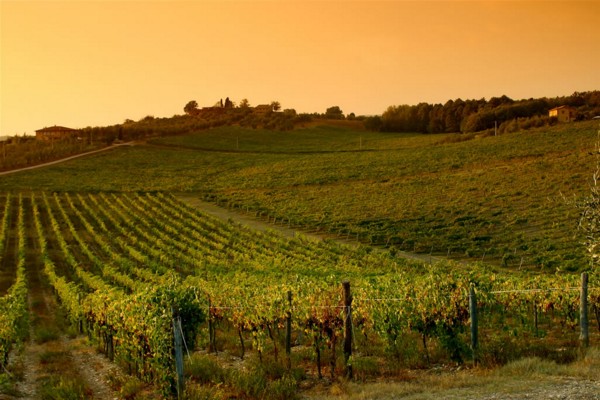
211, 329
110, 346
288, 332
347, 329
535, 318
80, 317
474, 322
584, 336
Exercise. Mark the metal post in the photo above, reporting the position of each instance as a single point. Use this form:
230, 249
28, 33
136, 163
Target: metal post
474, 322
178, 356
347, 328
288, 332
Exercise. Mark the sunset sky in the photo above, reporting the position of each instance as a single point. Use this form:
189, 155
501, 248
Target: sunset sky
83, 63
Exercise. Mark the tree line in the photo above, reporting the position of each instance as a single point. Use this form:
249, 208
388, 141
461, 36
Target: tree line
465, 116
468, 116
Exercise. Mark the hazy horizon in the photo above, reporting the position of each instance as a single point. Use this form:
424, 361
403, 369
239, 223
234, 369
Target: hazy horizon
81, 64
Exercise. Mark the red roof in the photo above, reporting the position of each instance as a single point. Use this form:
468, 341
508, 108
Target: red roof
561, 107
55, 128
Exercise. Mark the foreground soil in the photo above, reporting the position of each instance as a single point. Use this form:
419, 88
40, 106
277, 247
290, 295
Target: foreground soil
54, 355
563, 388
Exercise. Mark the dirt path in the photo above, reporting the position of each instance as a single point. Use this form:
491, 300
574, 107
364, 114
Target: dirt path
550, 388
51, 356
111, 147
55, 358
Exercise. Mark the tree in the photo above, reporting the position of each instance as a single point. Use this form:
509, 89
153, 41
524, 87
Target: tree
244, 103
373, 123
276, 105
334, 113
499, 101
190, 107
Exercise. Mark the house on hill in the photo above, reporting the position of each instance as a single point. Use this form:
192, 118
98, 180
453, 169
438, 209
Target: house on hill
563, 113
55, 132
263, 109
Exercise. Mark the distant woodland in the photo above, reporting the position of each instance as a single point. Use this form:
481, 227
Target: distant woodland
468, 116
455, 116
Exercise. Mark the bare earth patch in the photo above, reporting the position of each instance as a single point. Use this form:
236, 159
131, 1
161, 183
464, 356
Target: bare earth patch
51, 354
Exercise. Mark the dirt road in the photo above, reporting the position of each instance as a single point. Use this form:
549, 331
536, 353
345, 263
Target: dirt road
111, 147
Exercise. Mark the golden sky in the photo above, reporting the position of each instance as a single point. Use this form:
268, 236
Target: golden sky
86, 63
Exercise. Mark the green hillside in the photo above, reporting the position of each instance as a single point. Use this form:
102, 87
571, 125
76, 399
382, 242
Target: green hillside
500, 199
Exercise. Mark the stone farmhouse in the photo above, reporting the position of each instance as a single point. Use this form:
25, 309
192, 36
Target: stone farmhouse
55, 132
563, 113
262, 109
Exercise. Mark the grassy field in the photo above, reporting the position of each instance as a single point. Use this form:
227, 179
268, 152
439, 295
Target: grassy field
507, 200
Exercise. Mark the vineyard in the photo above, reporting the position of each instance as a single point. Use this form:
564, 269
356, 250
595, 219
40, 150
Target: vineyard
505, 200
135, 270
